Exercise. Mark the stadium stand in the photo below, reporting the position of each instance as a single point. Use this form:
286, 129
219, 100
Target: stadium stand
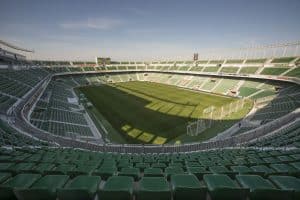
71, 173
54, 112
11, 137
267, 166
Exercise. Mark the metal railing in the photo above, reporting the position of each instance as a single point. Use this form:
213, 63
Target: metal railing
235, 141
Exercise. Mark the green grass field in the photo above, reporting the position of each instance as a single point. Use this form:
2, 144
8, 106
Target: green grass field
144, 112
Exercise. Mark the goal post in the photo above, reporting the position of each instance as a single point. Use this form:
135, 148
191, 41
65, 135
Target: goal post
212, 114
195, 128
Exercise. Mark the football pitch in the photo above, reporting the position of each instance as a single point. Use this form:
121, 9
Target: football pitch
153, 113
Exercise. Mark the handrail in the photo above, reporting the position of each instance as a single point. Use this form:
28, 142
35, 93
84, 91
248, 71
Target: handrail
137, 148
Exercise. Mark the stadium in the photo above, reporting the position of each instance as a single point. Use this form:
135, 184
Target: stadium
221, 124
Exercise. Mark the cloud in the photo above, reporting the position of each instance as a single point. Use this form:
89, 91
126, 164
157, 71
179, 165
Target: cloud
93, 23
138, 11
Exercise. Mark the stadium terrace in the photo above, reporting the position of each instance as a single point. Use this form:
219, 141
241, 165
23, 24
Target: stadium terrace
198, 129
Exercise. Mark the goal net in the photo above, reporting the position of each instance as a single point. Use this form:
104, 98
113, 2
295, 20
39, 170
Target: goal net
211, 115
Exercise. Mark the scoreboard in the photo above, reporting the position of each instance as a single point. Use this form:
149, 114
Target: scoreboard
196, 56
103, 61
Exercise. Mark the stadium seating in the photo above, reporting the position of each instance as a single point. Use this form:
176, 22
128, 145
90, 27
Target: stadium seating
264, 168
117, 187
294, 72
11, 137
231, 173
210, 69
229, 69
256, 60
248, 70
285, 137
283, 60
273, 71
55, 114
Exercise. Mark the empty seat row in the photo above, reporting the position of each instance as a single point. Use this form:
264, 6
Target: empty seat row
180, 186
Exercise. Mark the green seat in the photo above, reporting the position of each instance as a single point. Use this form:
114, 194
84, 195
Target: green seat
187, 186
62, 169
153, 172
169, 171
159, 165
261, 188
21, 167
41, 168
19, 181
153, 188
198, 171
287, 183
105, 172
222, 170
5, 158
116, 188
45, 188
222, 187
130, 171
296, 165
4, 177
5, 166
284, 169
81, 187
263, 169
244, 170
124, 165
81, 170
142, 166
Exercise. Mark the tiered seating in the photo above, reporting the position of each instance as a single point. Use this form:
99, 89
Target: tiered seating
247, 91
229, 70
66, 116
67, 130
263, 93
286, 137
234, 61
196, 68
184, 68
256, 61
54, 113
248, 70
75, 69
141, 67
210, 69
131, 67
121, 68
50, 173
6, 102
13, 87
210, 84
15, 84
294, 73
88, 68
10, 137
202, 61
59, 69
283, 60
225, 85
28, 77
275, 109
216, 61
174, 67
273, 70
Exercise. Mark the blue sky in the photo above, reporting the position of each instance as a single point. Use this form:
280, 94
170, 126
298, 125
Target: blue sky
144, 30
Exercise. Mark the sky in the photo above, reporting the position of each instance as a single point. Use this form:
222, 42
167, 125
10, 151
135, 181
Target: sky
145, 30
